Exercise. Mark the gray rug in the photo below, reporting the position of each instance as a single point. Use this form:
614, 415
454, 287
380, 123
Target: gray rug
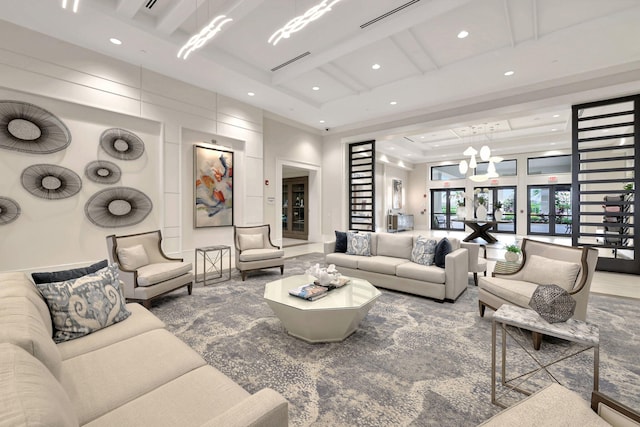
412, 362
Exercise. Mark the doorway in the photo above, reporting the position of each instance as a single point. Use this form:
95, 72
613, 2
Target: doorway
549, 210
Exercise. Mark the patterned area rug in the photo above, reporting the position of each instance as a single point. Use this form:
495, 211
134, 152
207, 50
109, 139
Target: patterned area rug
412, 362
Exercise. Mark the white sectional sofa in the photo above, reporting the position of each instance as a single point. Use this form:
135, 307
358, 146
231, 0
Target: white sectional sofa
389, 266
131, 373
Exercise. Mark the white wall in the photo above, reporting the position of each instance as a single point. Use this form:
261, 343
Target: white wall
90, 92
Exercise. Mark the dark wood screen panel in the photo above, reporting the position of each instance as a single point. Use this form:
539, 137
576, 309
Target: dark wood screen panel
604, 161
362, 187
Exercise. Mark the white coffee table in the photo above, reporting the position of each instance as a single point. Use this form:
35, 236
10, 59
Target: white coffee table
329, 319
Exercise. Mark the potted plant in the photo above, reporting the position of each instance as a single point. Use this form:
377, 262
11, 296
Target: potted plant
513, 253
497, 210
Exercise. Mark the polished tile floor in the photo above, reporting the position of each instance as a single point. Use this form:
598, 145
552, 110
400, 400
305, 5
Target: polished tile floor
623, 285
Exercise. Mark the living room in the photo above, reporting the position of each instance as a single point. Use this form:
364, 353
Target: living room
91, 91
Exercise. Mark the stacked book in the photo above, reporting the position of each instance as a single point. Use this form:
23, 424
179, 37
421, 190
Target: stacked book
314, 291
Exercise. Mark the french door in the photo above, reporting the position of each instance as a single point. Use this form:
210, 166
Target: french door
549, 210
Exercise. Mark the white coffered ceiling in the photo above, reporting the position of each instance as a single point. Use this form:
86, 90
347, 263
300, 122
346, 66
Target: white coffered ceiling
445, 89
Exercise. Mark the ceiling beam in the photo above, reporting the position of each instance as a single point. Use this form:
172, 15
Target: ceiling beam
507, 18
415, 15
402, 49
344, 78
129, 8
534, 13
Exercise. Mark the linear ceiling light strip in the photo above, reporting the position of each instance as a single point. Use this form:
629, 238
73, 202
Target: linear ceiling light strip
391, 12
74, 7
206, 34
299, 22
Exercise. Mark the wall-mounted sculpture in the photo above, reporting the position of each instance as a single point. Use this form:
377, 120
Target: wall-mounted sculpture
121, 144
9, 210
28, 128
103, 172
118, 207
50, 181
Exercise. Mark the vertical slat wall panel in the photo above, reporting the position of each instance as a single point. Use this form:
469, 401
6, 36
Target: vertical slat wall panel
362, 187
604, 161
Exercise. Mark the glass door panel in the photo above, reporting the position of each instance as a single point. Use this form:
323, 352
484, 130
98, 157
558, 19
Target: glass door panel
549, 210
285, 206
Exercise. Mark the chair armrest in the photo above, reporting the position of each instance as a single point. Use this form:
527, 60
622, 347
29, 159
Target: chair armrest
329, 247
456, 273
128, 282
613, 412
474, 255
265, 408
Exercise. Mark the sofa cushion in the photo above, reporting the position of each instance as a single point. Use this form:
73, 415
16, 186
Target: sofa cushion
260, 254
547, 271
159, 272
423, 251
430, 273
517, 291
394, 245
133, 257
341, 242
380, 264
21, 325
251, 241
443, 248
59, 276
31, 396
100, 381
358, 243
342, 260
86, 304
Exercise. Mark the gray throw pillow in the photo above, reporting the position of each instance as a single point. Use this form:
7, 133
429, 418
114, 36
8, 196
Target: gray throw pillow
424, 251
84, 305
358, 243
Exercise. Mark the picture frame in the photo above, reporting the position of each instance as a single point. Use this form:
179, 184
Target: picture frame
396, 194
213, 187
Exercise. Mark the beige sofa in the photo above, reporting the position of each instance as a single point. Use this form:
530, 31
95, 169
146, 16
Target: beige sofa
132, 373
390, 267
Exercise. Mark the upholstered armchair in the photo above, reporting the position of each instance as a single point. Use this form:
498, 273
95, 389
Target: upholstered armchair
145, 270
254, 250
477, 259
543, 263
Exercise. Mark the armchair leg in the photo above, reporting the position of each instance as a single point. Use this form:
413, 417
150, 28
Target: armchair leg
537, 340
481, 307
475, 278
281, 270
147, 304
244, 275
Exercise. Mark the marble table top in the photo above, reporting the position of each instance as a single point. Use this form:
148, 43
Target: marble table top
526, 318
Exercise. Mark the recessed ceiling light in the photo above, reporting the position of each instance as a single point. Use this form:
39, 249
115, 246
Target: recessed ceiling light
393, 102
315, 88
462, 34
376, 66
556, 115
422, 137
554, 130
250, 93
115, 41
321, 121
509, 73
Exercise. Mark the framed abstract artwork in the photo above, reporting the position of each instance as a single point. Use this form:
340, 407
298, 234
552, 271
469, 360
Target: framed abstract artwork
396, 193
213, 187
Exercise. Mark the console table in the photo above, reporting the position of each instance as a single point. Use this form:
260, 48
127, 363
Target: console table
399, 222
212, 262
576, 331
481, 229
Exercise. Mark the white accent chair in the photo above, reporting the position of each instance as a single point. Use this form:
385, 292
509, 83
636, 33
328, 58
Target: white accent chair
477, 259
145, 270
543, 263
255, 251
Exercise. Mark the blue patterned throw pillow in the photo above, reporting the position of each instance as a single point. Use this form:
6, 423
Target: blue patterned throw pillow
84, 305
423, 251
358, 243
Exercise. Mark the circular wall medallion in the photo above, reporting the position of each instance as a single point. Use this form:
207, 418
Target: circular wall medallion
103, 172
9, 210
118, 207
121, 144
51, 181
28, 128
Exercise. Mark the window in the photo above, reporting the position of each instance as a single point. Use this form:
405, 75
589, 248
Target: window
446, 173
548, 165
507, 197
503, 168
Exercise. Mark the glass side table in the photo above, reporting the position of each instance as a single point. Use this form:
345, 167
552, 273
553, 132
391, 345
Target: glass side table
212, 260
585, 334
